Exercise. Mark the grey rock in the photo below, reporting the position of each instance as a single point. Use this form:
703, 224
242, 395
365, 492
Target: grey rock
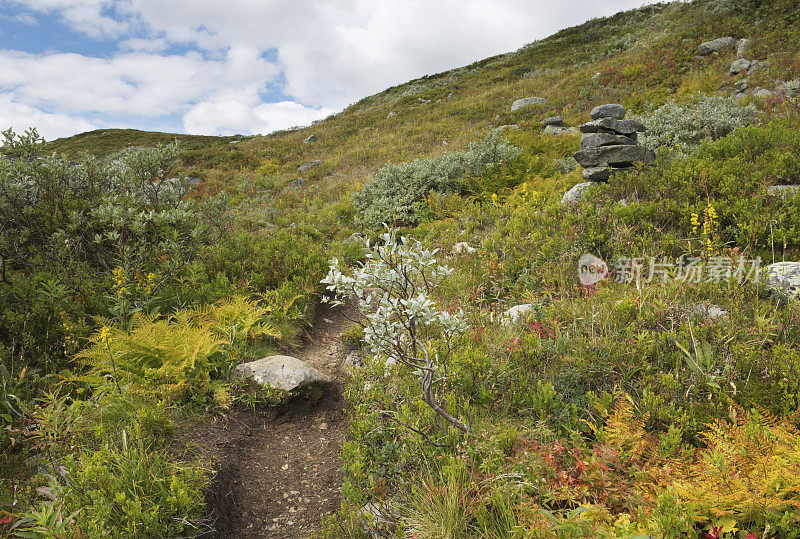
757, 65
610, 155
762, 93
742, 47
558, 131
553, 120
297, 183
451, 95
783, 280
715, 45
309, 140
740, 85
282, 372
516, 313
526, 102
310, 164
649, 155
740, 66
596, 174
620, 127
711, 312
377, 521
354, 360
595, 140
576, 194
783, 191
608, 111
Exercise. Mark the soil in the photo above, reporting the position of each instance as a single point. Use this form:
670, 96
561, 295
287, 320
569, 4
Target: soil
278, 469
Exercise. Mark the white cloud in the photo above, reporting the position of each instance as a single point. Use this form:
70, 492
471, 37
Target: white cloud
329, 53
230, 116
51, 126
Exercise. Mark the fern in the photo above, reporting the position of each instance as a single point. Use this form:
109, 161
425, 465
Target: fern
751, 468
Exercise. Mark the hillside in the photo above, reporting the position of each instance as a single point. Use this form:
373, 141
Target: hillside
598, 359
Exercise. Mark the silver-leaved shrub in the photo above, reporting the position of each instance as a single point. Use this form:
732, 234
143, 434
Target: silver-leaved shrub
394, 289
682, 126
397, 190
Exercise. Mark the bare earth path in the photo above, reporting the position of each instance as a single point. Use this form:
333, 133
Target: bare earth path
279, 471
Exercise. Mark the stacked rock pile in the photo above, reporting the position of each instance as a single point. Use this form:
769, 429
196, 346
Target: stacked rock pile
610, 143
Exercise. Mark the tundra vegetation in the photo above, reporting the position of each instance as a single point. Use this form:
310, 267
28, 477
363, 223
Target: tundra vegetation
132, 279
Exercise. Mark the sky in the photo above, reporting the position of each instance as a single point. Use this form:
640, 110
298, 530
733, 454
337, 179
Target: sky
220, 67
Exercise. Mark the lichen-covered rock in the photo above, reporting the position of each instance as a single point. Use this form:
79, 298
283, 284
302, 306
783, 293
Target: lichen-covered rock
576, 194
740, 66
597, 174
742, 47
612, 110
282, 372
309, 140
783, 191
619, 156
308, 165
783, 280
619, 127
595, 140
715, 45
526, 102
553, 120
558, 131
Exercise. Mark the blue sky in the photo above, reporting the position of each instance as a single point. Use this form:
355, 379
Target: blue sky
243, 66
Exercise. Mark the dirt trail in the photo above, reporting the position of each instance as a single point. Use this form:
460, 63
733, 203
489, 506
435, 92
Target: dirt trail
279, 471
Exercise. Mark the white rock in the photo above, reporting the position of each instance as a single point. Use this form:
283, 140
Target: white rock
515, 314
463, 247
282, 372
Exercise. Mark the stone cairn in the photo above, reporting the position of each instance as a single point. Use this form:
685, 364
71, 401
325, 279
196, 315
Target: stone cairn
610, 144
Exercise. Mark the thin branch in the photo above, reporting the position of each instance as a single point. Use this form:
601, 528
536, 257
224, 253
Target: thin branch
389, 415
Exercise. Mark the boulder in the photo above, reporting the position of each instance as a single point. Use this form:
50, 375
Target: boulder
740, 66
783, 280
297, 183
620, 156
742, 47
620, 127
516, 313
715, 45
309, 140
283, 372
595, 140
575, 195
463, 247
558, 131
596, 174
526, 102
608, 111
310, 164
553, 120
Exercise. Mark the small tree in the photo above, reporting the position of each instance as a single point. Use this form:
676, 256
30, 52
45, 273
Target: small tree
394, 288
